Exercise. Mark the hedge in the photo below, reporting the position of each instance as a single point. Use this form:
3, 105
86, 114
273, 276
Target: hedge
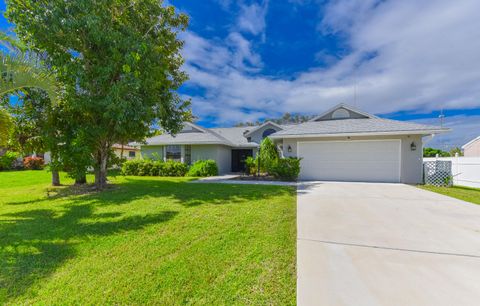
146, 167
286, 169
203, 168
7, 161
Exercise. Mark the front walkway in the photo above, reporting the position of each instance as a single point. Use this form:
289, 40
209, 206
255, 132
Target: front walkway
386, 244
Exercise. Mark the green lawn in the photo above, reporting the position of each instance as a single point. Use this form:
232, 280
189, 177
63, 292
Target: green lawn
463, 193
146, 241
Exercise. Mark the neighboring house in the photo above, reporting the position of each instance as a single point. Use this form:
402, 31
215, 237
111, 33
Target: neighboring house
342, 144
126, 151
472, 148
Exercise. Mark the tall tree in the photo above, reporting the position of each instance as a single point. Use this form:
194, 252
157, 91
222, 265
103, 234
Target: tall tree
119, 60
23, 69
5, 127
38, 126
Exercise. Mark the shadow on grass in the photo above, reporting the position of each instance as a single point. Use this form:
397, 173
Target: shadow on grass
190, 195
184, 193
36, 242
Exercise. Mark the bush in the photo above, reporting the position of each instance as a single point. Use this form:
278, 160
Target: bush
147, 167
130, 167
286, 169
7, 161
33, 163
268, 154
173, 168
203, 168
250, 165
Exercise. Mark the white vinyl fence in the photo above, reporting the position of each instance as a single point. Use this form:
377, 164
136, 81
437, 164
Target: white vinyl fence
465, 170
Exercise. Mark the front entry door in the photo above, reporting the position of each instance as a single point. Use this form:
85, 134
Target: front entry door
238, 159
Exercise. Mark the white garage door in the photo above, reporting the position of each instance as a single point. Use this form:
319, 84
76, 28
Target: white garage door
357, 161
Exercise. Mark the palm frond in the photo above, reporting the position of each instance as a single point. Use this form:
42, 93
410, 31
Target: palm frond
25, 69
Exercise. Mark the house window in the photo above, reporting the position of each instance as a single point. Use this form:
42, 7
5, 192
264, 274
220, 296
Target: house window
173, 153
131, 153
268, 132
341, 114
188, 154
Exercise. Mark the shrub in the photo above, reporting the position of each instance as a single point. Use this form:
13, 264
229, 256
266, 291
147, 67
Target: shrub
268, 154
7, 161
203, 168
130, 167
33, 163
250, 165
147, 167
286, 169
156, 168
173, 168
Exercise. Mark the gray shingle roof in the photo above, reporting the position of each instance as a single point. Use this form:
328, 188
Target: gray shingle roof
186, 138
350, 126
234, 135
226, 136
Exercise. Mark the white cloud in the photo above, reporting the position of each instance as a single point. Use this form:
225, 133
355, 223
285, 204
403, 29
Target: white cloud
215, 56
405, 55
252, 18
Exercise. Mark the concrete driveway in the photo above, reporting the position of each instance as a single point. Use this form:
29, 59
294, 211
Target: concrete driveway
386, 244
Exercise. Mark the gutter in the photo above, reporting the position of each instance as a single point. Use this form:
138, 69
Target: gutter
415, 132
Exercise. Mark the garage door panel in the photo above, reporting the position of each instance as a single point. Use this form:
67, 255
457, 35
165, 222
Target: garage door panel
372, 161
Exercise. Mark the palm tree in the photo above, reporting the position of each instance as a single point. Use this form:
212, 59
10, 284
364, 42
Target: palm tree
20, 68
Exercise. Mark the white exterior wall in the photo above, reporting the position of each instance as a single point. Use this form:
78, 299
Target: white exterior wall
465, 170
472, 150
411, 161
201, 152
224, 159
219, 153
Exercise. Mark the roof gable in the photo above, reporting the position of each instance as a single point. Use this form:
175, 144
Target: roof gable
189, 127
471, 142
268, 123
342, 111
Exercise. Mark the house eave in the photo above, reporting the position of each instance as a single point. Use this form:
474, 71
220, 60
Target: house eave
184, 143
415, 132
253, 145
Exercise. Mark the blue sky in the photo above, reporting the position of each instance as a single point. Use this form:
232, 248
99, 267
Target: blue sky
407, 59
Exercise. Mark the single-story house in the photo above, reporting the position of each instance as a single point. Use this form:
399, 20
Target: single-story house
472, 148
342, 144
126, 151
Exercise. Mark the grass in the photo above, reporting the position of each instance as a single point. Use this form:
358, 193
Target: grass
468, 194
146, 241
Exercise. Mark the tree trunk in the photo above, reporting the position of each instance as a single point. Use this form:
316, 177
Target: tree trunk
54, 166
101, 169
81, 180
55, 178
